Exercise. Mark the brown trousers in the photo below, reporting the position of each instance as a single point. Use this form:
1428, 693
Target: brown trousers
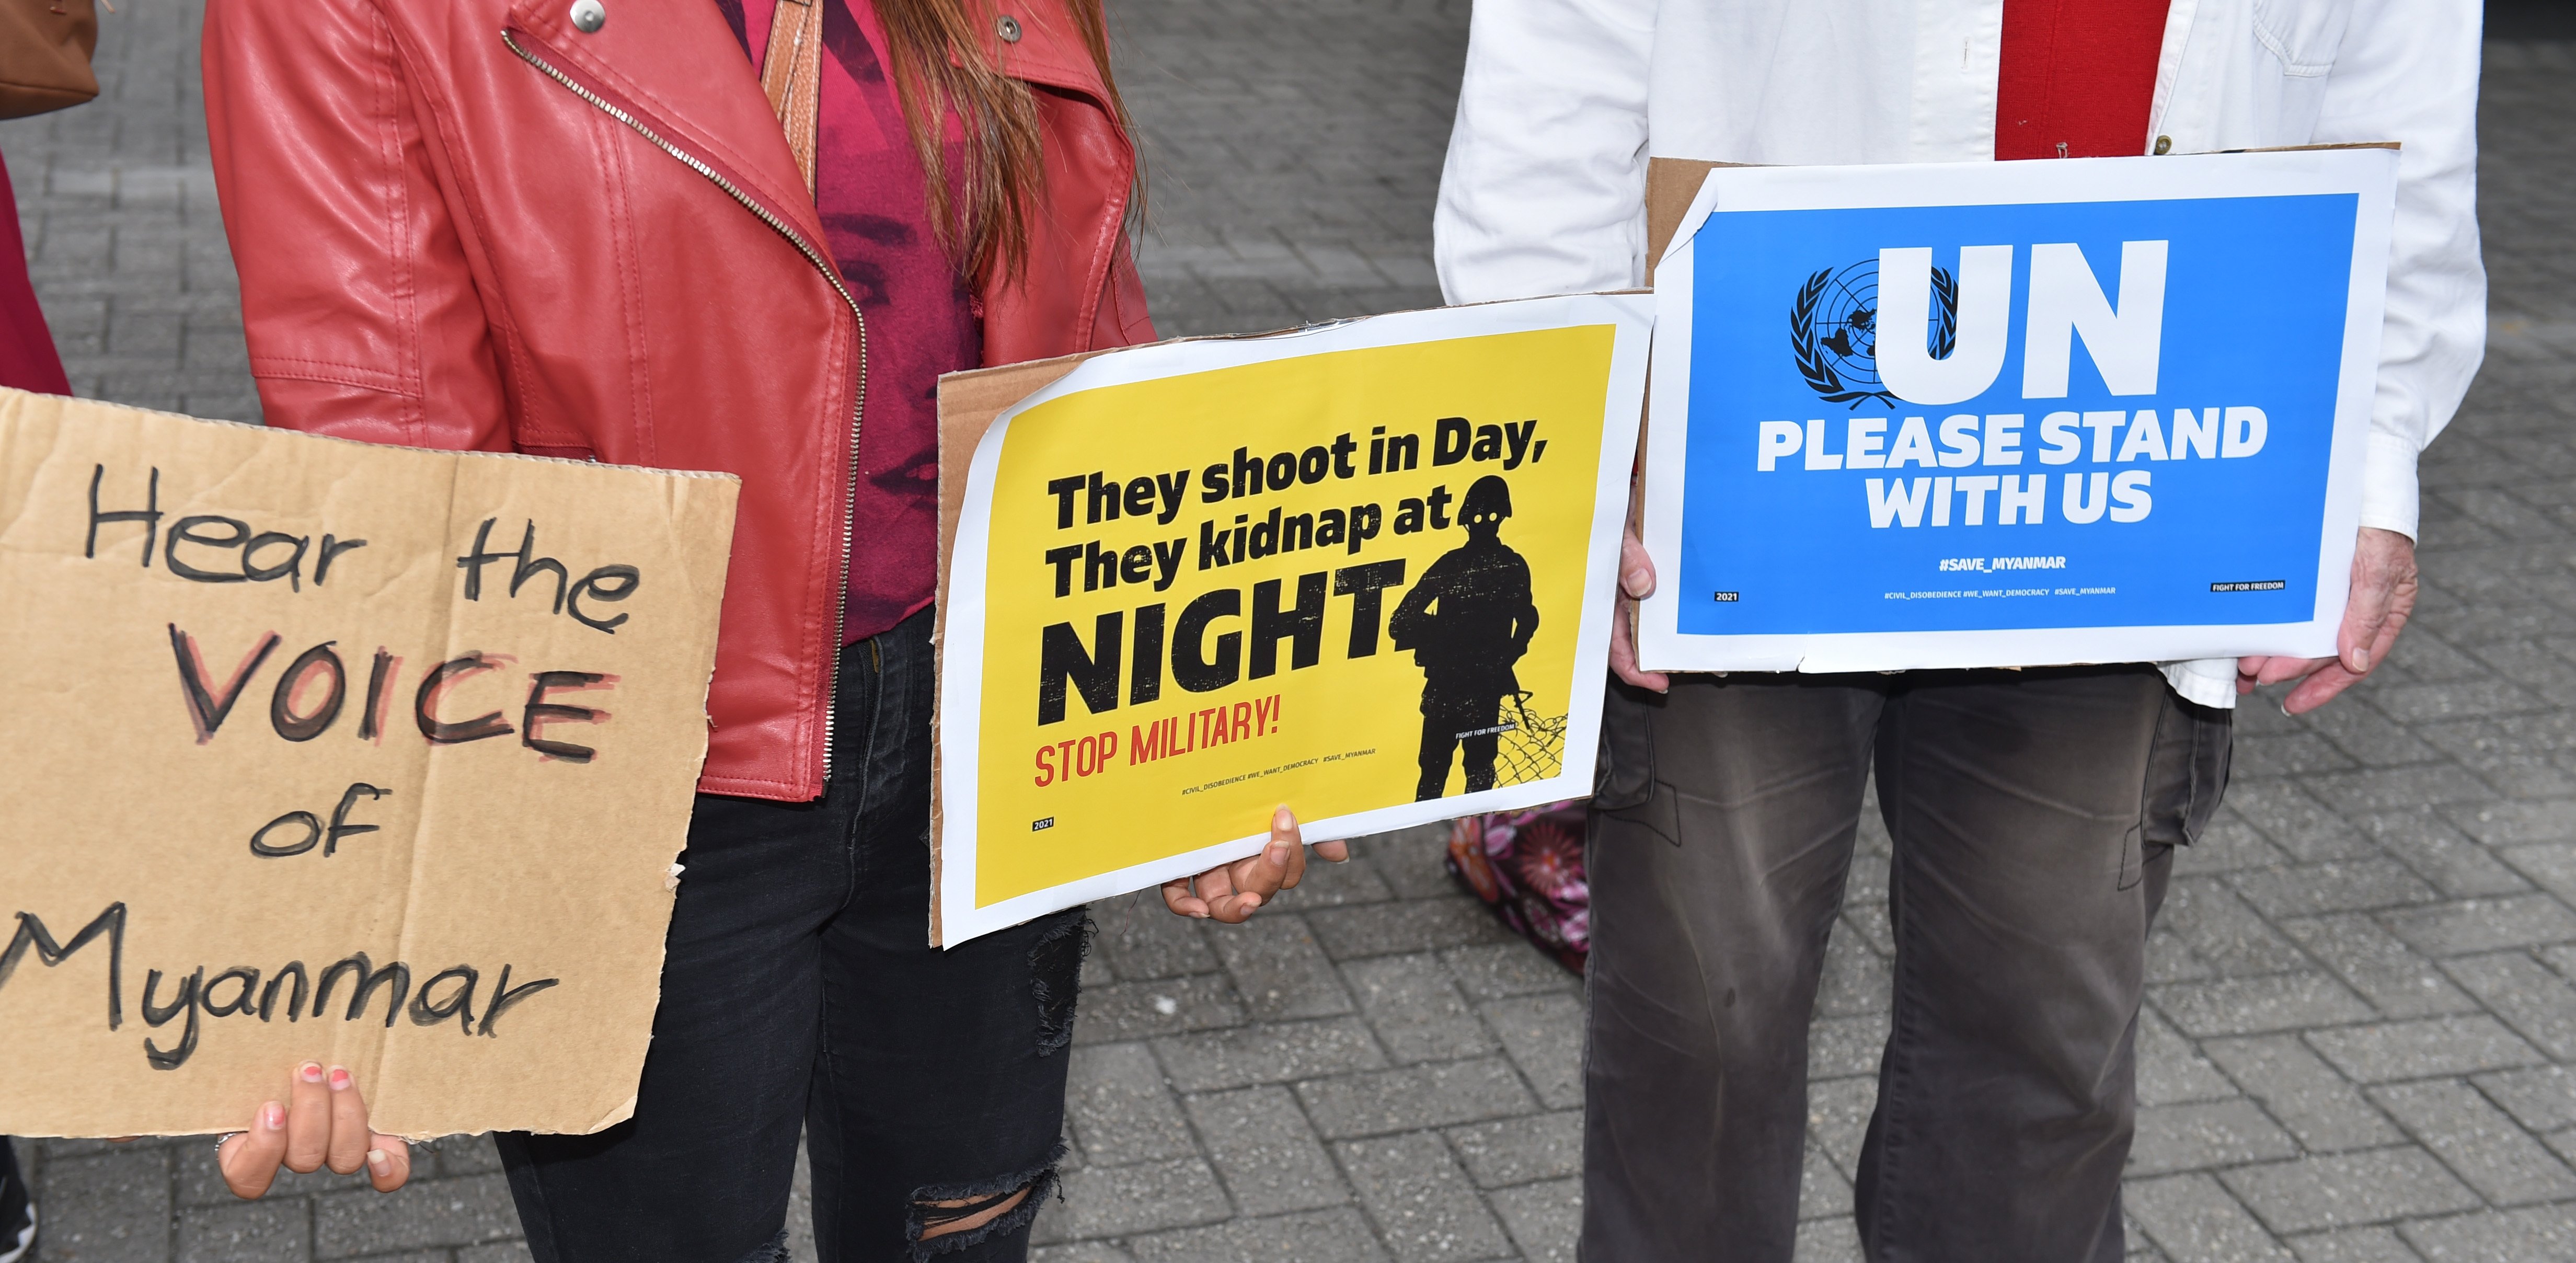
2033, 815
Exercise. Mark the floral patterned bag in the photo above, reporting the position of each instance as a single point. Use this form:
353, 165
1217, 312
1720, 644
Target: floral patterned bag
1528, 866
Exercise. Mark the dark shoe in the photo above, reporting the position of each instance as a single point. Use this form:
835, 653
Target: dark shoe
17, 1209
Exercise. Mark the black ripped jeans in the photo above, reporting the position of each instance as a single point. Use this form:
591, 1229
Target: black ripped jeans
798, 993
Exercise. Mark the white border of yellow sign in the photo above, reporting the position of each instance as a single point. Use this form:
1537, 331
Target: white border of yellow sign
1629, 316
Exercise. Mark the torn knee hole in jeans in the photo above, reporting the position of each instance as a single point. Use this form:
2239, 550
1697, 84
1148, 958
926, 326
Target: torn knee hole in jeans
949, 1217
1055, 978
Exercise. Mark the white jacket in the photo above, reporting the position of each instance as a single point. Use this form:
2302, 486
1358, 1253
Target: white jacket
1564, 101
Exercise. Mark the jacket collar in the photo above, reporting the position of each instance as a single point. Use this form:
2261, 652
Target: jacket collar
674, 65
1050, 51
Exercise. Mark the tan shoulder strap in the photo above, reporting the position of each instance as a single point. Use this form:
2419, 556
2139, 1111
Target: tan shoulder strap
791, 73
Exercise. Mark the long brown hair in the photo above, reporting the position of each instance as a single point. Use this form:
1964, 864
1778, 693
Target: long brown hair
940, 65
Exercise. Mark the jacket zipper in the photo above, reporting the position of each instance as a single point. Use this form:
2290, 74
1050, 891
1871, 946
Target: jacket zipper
858, 401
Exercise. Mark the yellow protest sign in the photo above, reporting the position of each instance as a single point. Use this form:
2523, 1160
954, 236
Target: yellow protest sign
1363, 571
322, 750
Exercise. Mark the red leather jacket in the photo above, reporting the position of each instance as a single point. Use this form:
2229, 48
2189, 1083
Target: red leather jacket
470, 224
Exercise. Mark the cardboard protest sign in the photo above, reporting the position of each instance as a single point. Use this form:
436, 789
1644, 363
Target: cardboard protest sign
322, 750
1362, 570
2012, 414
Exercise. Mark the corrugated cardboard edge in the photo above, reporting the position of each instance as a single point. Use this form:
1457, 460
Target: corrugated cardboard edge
969, 402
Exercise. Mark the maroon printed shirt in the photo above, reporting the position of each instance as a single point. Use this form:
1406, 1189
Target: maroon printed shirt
921, 322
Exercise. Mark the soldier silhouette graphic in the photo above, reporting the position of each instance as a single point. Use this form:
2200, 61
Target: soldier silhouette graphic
1467, 621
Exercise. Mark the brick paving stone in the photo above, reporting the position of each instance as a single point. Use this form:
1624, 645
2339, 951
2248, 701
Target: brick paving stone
2551, 864
1837, 1118
1408, 862
1543, 1219
2422, 1049
1142, 941
2507, 824
246, 1232
2193, 1220
1384, 929
1414, 1005
2483, 925
1268, 1054
1828, 1241
1135, 1010
1521, 1150
2170, 1069
1081, 1252
468, 1210
1415, 1097
1120, 1109
1420, 1200
2334, 886
2478, 1142
2318, 1106
111, 1207
1823, 1193
2453, 862
2528, 995
1856, 978
2354, 1245
1279, 971
2543, 1234
2341, 1190
1839, 1047
1116, 1201
1323, 1236
2393, 977
1265, 1152
2207, 1134
2542, 1098
1506, 969
1543, 1035
2271, 1002
2288, 817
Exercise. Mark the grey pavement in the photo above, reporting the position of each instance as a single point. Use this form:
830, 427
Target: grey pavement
2360, 1042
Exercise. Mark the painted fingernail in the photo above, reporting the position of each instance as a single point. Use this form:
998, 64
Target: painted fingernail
272, 1116
339, 1079
1283, 820
311, 1072
380, 1160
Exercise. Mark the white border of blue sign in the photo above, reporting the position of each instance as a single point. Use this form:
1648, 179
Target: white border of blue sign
2368, 172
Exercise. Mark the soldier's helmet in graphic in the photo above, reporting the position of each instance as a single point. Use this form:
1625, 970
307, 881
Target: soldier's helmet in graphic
1490, 497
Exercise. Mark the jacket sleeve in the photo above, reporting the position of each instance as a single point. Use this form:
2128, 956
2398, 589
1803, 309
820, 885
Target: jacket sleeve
2408, 71
357, 300
1544, 190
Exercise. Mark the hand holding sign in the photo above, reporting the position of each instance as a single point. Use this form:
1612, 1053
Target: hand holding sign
1636, 583
1233, 892
2383, 597
323, 1122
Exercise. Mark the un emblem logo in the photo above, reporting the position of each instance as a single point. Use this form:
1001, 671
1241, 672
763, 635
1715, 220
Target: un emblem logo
1833, 331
